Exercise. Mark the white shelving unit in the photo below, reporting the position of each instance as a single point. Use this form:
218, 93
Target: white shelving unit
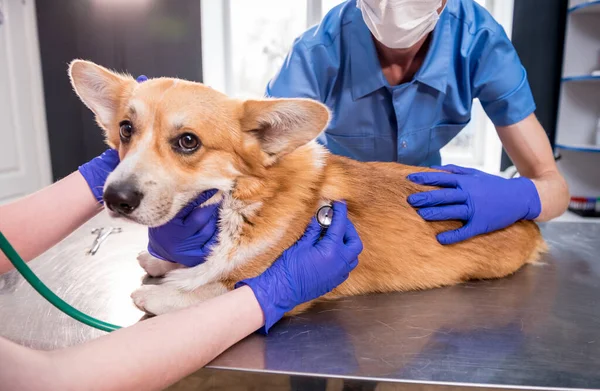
579, 109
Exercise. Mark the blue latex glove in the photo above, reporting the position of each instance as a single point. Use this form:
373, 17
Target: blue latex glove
309, 269
188, 238
485, 202
98, 169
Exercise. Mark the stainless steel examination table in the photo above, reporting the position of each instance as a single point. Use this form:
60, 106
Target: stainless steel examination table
538, 328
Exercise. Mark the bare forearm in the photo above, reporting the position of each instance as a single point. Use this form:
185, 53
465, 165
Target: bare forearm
37, 222
20, 367
529, 148
159, 351
554, 195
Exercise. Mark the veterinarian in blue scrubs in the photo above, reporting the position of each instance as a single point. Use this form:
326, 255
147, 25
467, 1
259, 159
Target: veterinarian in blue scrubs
400, 77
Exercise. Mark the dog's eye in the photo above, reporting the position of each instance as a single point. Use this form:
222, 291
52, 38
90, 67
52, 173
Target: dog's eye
188, 143
125, 130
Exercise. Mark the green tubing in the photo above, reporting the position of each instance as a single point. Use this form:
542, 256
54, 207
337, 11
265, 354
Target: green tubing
46, 293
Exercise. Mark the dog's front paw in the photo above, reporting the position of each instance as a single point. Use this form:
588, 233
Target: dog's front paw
155, 267
158, 299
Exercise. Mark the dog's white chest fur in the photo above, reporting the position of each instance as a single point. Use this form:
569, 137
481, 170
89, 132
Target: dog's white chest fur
228, 253
182, 287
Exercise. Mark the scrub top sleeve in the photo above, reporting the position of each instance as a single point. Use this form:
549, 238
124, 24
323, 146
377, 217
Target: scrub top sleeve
500, 80
297, 76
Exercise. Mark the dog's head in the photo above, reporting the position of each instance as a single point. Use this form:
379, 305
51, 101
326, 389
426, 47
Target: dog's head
177, 138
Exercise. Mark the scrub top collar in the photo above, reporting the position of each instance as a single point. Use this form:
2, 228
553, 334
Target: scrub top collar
365, 69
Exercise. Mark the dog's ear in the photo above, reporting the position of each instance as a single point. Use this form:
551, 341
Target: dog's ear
100, 89
282, 125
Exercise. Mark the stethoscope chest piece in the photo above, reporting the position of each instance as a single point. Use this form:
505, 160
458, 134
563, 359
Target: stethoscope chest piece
324, 216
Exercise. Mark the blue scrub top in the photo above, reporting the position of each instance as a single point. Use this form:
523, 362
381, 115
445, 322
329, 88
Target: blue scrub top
469, 57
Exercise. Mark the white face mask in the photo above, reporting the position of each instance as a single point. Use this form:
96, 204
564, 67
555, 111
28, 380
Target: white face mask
399, 24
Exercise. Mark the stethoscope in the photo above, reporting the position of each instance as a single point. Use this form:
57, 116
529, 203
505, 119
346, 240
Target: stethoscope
324, 216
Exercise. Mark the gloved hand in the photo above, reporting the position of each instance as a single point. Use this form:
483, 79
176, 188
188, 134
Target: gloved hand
485, 202
188, 238
309, 269
98, 169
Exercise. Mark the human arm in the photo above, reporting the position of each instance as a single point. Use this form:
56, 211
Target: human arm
528, 147
152, 355
37, 222
500, 82
149, 355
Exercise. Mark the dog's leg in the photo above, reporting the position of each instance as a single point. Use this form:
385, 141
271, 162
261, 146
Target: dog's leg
160, 299
155, 267
188, 279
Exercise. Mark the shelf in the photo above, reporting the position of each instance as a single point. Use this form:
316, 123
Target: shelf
579, 147
582, 78
590, 7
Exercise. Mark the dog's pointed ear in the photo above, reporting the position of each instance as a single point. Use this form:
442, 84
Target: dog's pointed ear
100, 90
282, 125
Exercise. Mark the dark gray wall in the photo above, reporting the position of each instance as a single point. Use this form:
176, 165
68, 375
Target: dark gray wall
538, 35
160, 38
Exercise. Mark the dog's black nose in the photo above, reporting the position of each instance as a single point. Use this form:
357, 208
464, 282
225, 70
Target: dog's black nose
122, 197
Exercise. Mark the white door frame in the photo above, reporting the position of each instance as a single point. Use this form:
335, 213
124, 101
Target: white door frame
25, 74
38, 106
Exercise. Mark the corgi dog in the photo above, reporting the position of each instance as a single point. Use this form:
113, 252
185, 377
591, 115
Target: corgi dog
177, 139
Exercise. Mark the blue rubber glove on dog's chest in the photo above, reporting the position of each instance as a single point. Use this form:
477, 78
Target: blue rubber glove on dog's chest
485, 202
188, 238
97, 170
309, 269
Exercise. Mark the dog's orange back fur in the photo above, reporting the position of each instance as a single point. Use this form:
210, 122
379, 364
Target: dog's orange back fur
401, 251
241, 145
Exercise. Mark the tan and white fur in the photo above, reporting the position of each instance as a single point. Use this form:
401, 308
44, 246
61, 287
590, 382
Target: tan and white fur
272, 177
